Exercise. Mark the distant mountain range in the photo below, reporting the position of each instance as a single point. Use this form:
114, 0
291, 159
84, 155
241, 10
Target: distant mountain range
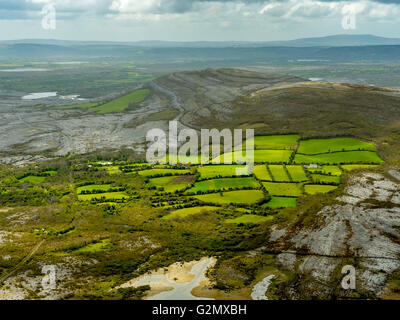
331, 48
328, 41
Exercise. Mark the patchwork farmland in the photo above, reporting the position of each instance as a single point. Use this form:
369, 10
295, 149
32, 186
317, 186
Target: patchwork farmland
286, 169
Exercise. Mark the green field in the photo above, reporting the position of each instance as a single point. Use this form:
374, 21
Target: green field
263, 156
239, 197
261, 173
325, 179
226, 183
95, 247
249, 218
215, 171
163, 172
281, 202
78, 106
33, 179
103, 196
171, 184
350, 167
277, 142
340, 157
92, 187
316, 146
283, 189
279, 173
181, 213
330, 170
122, 103
318, 188
297, 173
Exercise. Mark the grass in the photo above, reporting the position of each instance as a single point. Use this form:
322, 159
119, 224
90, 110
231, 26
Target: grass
277, 142
95, 247
330, 170
263, 156
238, 197
78, 106
226, 183
281, 202
318, 188
283, 189
171, 184
316, 146
92, 187
261, 173
249, 218
350, 167
181, 213
297, 173
340, 157
106, 196
162, 172
214, 171
122, 103
321, 178
32, 179
279, 173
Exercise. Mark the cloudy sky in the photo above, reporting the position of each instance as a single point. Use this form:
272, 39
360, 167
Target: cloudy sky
195, 20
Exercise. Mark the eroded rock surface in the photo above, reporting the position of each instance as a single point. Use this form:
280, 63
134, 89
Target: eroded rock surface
362, 229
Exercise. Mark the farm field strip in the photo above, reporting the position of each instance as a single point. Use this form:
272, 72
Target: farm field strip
318, 146
224, 183
276, 142
283, 189
279, 173
325, 179
328, 170
237, 197
318, 188
347, 157
261, 173
297, 173
216, 171
281, 202
171, 183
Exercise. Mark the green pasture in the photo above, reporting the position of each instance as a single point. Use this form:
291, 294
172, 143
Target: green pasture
340, 158
171, 183
325, 179
329, 170
32, 179
261, 172
237, 197
281, 202
351, 167
316, 146
276, 142
214, 171
109, 196
122, 103
260, 156
318, 188
283, 189
279, 173
93, 187
297, 173
225, 183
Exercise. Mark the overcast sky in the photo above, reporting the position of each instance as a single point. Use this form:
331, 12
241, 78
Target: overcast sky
195, 20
